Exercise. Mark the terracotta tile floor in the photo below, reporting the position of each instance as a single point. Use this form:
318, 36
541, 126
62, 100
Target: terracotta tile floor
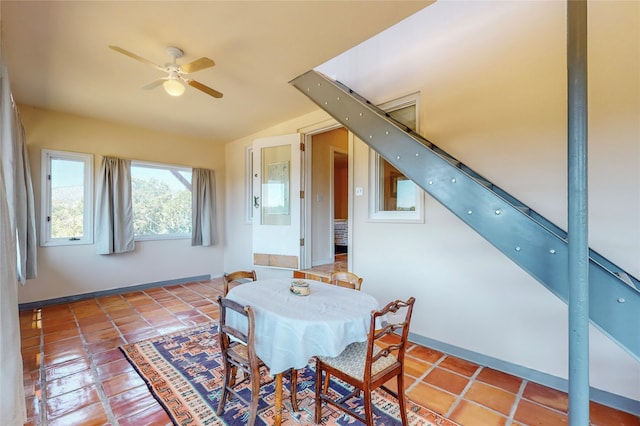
74, 373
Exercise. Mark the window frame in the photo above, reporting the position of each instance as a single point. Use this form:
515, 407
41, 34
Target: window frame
163, 166
47, 155
248, 184
375, 179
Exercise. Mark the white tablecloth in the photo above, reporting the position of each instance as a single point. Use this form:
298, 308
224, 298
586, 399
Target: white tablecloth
291, 329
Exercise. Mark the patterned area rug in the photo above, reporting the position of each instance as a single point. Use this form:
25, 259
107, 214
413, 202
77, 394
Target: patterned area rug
184, 373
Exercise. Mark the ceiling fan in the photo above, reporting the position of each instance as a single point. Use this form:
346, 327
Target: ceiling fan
174, 82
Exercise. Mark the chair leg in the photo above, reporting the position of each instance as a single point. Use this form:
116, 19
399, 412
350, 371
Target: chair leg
225, 392
232, 378
318, 410
401, 399
255, 396
327, 378
293, 389
368, 407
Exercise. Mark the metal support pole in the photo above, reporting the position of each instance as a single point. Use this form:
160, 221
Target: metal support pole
578, 250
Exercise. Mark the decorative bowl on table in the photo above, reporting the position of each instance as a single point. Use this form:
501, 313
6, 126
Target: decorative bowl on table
300, 288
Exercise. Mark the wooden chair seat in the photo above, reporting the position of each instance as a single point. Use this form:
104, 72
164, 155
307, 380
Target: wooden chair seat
343, 279
369, 365
353, 359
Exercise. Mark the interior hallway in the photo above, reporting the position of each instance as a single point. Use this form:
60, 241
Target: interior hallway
74, 373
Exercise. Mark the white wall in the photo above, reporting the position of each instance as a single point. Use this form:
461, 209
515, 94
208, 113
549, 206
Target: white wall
492, 78
74, 270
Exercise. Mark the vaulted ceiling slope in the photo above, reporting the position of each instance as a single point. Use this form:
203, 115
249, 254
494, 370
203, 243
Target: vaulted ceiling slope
58, 57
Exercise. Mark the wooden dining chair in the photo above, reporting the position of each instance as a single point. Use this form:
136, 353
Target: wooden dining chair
239, 277
237, 348
369, 365
343, 279
346, 279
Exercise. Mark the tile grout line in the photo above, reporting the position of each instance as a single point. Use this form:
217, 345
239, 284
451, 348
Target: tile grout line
42, 379
104, 400
165, 308
110, 415
113, 322
429, 370
514, 407
197, 309
464, 391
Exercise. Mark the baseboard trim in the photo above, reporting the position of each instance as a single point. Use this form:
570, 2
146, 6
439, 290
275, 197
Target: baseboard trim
119, 290
609, 399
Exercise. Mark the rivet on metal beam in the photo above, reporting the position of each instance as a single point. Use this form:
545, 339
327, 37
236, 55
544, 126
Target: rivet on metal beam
417, 154
398, 157
518, 248
430, 182
346, 118
370, 136
470, 212
621, 300
453, 180
552, 251
337, 98
498, 212
360, 114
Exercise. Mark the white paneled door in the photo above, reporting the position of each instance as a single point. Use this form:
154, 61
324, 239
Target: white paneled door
276, 201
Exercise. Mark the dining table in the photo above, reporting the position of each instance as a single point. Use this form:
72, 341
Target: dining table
290, 328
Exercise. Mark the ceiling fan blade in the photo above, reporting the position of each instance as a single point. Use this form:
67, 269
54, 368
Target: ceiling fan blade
154, 84
206, 89
197, 65
136, 57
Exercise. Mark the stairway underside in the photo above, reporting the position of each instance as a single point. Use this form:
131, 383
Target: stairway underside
531, 241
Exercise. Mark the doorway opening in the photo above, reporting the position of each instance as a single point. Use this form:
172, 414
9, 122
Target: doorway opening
329, 200
340, 206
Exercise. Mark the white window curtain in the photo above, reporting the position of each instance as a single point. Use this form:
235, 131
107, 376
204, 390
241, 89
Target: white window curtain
203, 211
114, 210
13, 409
25, 208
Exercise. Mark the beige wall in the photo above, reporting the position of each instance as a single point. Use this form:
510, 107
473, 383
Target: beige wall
72, 270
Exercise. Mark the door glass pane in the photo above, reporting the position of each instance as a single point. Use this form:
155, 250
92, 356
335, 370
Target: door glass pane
67, 198
275, 185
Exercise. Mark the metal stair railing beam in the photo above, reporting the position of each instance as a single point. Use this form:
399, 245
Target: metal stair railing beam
531, 241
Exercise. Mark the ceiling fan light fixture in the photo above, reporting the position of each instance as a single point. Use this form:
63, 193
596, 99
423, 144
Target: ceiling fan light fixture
174, 87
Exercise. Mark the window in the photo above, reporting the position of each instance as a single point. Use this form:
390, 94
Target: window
161, 198
67, 198
394, 197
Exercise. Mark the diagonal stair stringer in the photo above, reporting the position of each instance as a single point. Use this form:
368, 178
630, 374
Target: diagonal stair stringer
531, 241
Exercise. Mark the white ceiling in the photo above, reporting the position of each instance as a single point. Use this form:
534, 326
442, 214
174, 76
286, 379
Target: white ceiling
58, 57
